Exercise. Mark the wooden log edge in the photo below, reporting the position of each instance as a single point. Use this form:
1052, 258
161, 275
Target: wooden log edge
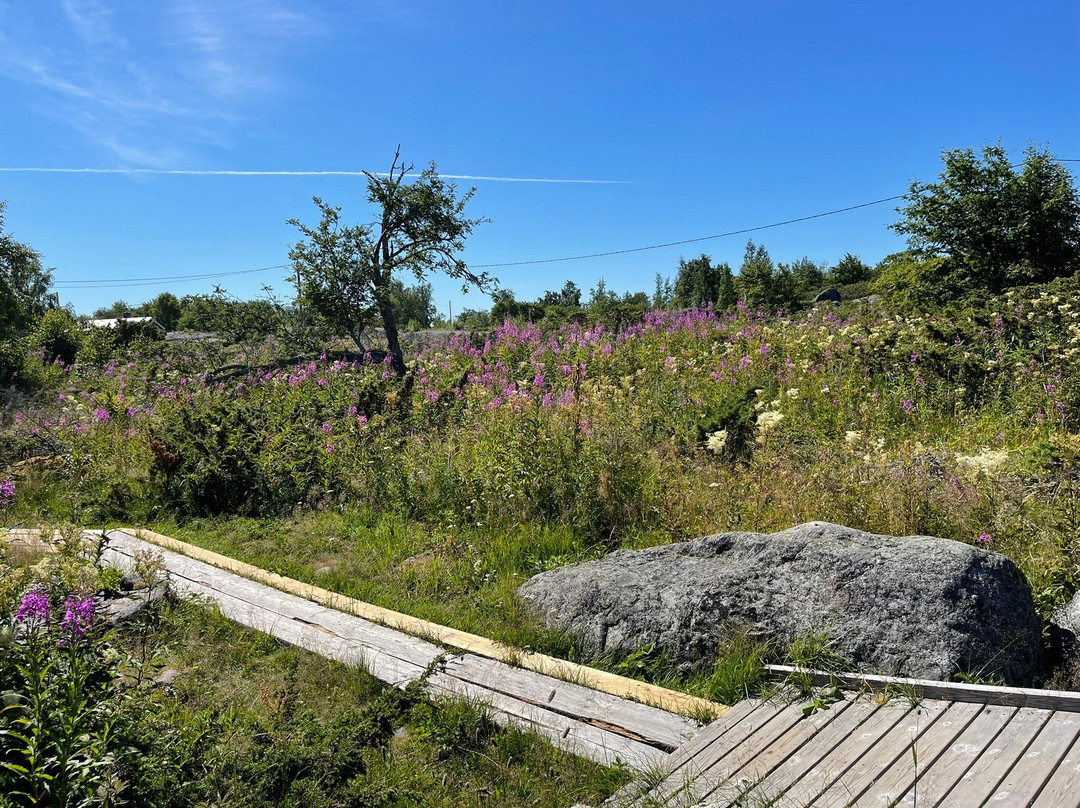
1065, 700
644, 692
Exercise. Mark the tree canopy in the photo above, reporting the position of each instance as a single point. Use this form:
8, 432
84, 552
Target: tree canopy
24, 285
345, 273
995, 224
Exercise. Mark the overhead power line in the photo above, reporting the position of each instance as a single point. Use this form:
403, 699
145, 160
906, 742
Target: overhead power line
100, 283
688, 240
106, 283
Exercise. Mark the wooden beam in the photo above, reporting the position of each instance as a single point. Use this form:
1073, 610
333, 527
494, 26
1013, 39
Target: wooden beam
950, 691
665, 699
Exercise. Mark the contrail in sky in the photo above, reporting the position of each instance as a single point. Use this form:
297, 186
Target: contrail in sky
195, 173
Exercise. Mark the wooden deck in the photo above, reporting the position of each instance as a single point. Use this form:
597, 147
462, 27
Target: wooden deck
866, 751
596, 725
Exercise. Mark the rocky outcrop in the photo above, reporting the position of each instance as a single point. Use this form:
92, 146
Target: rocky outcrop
914, 606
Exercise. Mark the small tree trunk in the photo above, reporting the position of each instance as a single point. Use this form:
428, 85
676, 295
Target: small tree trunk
390, 328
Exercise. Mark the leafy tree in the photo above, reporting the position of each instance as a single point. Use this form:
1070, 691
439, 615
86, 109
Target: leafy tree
699, 283
165, 308
344, 273
850, 269
756, 275
809, 277
118, 309
996, 226
568, 298
413, 305
664, 292
59, 336
24, 285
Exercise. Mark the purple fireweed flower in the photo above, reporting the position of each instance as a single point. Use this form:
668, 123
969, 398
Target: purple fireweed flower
329, 447
907, 406
101, 415
326, 426
7, 492
34, 609
78, 616
983, 539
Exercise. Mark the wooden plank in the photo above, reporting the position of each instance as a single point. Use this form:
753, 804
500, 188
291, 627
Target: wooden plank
675, 764
895, 745
387, 667
935, 738
1063, 788
948, 691
829, 768
649, 725
777, 754
582, 739
696, 775
1033, 770
646, 693
384, 667
936, 779
801, 759
204, 580
741, 770
353, 640
980, 781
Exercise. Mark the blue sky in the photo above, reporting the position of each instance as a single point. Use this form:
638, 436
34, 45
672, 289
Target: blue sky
705, 117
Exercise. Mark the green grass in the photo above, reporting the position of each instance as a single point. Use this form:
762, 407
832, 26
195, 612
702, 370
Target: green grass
244, 708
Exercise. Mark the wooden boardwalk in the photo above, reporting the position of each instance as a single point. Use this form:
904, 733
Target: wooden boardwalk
950, 745
867, 751
596, 725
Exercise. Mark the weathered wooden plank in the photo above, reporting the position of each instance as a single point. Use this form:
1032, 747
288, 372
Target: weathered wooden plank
832, 766
677, 765
206, 581
802, 759
566, 733
1063, 788
697, 776
885, 751
384, 667
790, 743
947, 691
935, 738
740, 771
1033, 770
981, 779
658, 728
935, 781
622, 686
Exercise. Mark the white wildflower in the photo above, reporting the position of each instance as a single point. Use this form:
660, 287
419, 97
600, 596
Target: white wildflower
986, 461
766, 423
852, 436
717, 442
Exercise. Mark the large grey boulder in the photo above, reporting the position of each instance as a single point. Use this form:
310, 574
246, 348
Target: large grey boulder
828, 296
915, 606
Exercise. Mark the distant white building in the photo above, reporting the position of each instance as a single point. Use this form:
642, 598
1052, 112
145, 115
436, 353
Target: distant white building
113, 322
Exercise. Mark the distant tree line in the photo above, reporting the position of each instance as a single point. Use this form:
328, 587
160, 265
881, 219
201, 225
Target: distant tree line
985, 225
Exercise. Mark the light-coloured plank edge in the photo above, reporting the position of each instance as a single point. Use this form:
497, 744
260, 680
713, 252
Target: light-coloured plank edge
665, 699
1064, 700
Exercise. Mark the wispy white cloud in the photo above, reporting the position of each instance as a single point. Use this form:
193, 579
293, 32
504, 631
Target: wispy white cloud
149, 82
230, 173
